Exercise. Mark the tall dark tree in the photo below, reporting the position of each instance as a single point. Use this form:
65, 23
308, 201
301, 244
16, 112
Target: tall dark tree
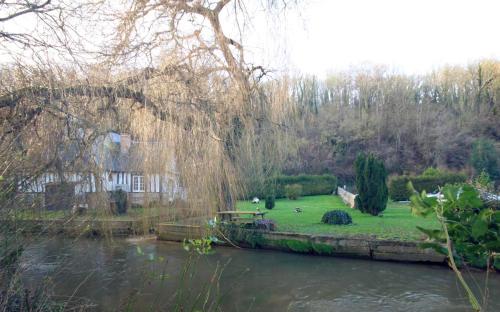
484, 157
371, 178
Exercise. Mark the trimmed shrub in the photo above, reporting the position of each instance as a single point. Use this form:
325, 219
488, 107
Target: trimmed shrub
432, 172
120, 199
398, 185
398, 188
371, 184
293, 191
270, 201
311, 184
338, 217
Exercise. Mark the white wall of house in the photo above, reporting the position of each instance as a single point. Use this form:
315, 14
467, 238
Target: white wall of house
111, 181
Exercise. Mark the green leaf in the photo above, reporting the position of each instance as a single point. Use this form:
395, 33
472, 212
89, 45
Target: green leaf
469, 197
437, 247
493, 246
496, 216
421, 205
479, 228
486, 214
433, 234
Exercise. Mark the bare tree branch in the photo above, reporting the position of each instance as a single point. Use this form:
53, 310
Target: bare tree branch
26, 7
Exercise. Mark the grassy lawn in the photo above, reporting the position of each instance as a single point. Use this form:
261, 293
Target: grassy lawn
131, 215
397, 221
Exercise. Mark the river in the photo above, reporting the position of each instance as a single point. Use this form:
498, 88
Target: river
147, 275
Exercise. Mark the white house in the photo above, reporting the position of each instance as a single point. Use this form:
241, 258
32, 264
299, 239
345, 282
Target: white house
122, 164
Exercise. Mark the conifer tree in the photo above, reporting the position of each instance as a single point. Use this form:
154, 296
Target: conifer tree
484, 157
371, 178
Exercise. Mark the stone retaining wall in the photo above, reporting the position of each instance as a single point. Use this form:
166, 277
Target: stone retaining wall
367, 247
352, 246
347, 197
179, 232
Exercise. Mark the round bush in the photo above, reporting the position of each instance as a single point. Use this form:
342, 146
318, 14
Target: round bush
338, 217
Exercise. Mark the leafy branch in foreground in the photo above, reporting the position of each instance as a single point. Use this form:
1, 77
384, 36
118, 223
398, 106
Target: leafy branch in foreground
469, 232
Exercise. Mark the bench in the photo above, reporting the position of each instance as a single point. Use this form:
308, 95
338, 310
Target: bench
239, 216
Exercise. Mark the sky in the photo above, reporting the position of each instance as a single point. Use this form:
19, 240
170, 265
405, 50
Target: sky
408, 36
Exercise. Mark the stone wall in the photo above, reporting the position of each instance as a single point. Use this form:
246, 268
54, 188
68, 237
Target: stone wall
179, 232
362, 246
347, 198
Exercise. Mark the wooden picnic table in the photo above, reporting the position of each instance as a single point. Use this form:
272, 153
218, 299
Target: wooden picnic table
235, 215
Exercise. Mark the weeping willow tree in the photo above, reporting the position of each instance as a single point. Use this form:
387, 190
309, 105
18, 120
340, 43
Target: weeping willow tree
168, 74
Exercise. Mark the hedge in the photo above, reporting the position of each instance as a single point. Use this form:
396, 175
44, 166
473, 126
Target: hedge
311, 184
398, 186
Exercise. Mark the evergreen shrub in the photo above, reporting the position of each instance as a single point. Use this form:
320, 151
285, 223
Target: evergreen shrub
311, 184
338, 217
120, 199
270, 201
371, 184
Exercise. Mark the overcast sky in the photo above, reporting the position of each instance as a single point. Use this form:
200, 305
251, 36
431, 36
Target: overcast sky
412, 36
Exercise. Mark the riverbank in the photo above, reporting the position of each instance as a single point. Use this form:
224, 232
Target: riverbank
354, 246
396, 222
88, 227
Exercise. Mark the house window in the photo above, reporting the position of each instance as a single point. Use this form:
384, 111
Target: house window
137, 183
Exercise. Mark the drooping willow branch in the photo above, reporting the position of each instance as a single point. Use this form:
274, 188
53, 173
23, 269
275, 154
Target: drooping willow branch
112, 93
13, 98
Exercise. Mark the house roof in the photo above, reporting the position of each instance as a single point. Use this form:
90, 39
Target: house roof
115, 160
110, 156
133, 159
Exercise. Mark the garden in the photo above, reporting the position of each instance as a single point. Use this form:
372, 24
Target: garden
326, 214
397, 221
457, 218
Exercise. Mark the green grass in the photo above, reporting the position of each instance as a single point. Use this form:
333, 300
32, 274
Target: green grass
397, 221
131, 215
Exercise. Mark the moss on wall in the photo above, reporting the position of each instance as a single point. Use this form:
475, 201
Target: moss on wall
323, 249
303, 246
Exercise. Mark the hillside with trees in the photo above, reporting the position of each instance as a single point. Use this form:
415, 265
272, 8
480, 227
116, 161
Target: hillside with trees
411, 122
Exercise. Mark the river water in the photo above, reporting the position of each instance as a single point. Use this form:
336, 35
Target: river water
152, 275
